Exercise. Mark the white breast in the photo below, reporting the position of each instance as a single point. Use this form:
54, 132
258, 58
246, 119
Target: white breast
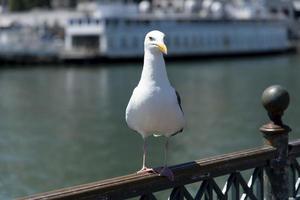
154, 110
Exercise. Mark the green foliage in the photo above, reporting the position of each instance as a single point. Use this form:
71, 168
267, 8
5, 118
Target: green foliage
23, 5
15, 5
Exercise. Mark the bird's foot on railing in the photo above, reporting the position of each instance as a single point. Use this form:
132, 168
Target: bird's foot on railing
167, 172
146, 170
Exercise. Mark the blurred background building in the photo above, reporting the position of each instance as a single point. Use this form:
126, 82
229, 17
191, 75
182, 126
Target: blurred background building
90, 28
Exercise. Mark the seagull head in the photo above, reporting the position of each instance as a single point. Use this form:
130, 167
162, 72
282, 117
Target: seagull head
154, 41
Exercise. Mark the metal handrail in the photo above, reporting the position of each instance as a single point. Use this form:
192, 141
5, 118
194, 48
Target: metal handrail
135, 185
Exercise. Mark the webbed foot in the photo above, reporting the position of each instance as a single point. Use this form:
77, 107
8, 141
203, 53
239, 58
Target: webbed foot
146, 170
167, 172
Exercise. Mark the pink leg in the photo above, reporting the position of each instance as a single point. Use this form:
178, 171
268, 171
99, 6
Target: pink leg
144, 168
166, 171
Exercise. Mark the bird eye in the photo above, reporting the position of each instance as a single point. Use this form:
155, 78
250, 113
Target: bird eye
151, 38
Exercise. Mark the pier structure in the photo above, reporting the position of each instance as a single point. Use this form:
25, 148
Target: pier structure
274, 169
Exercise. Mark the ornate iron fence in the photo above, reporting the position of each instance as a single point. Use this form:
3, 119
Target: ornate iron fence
275, 170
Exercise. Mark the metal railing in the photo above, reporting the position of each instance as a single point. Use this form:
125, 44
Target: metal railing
275, 170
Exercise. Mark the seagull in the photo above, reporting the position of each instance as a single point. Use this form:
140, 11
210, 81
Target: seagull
155, 106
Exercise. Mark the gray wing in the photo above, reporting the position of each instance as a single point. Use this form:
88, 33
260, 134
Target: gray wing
179, 103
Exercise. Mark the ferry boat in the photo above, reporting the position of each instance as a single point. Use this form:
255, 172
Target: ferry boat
118, 30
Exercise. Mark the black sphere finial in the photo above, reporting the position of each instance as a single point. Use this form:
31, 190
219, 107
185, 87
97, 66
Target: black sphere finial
275, 100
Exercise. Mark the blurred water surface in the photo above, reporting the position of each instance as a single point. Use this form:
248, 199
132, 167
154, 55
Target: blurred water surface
64, 126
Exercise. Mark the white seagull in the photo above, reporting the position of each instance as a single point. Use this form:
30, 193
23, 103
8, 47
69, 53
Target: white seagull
155, 106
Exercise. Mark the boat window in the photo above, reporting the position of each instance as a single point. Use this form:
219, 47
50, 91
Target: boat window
87, 42
135, 42
107, 22
274, 10
88, 20
226, 41
194, 40
186, 41
199, 41
147, 22
211, 40
217, 40
110, 43
127, 22
179, 21
176, 41
124, 42
114, 22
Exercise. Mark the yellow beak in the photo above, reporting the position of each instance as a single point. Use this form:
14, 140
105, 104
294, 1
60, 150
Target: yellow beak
162, 47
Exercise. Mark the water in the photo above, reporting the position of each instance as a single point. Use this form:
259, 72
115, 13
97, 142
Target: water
65, 126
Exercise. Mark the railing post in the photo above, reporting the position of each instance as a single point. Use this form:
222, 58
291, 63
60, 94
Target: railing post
276, 99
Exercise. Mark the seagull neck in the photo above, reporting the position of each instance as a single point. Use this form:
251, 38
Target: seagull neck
154, 69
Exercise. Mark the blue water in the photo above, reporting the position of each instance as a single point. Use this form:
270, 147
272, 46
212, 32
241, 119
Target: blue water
64, 126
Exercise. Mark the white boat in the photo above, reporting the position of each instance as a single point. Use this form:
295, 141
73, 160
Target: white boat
18, 42
118, 30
